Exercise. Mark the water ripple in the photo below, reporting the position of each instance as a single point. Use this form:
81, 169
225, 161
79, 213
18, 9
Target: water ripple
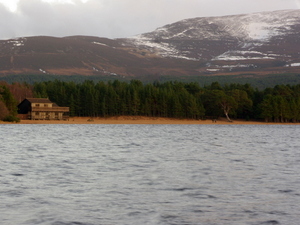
149, 174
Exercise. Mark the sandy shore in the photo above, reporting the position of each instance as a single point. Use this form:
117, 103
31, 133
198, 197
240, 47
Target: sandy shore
142, 120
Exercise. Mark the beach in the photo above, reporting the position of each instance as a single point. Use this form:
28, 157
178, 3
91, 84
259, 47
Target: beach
144, 120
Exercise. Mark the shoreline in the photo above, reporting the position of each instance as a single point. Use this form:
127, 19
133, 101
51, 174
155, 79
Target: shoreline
145, 120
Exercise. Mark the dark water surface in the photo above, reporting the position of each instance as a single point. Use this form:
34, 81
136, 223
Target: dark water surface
149, 174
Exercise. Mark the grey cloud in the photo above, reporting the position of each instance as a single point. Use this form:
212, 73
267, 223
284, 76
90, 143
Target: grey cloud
118, 18
7, 23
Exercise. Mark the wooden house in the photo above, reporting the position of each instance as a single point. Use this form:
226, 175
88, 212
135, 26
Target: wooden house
42, 109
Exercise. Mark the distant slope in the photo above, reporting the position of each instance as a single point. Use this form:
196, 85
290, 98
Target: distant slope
258, 44
259, 41
69, 55
77, 55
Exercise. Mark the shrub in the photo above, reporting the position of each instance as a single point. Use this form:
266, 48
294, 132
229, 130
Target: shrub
3, 110
11, 118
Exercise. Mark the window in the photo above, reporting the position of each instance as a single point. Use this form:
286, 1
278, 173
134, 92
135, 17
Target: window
45, 105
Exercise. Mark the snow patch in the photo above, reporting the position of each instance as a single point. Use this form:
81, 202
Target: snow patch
181, 34
162, 48
43, 71
238, 66
110, 73
99, 43
261, 31
213, 70
17, 42
293, 64
229, 67
242, 55
250, 45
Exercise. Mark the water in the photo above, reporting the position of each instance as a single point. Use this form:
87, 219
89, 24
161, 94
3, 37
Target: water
149, 174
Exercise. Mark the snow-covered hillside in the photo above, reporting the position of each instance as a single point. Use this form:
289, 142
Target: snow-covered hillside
259, 43
238, 37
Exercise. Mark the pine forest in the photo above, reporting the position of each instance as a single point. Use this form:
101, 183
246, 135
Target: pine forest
170, 99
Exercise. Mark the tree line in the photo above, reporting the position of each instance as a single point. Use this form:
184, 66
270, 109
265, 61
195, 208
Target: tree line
174, 100
169, 99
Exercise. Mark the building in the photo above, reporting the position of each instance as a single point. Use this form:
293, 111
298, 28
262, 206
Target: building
42, 109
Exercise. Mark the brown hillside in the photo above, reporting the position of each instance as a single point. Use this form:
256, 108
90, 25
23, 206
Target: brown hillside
199, 47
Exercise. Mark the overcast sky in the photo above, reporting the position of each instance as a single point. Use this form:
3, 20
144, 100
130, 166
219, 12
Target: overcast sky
115, 18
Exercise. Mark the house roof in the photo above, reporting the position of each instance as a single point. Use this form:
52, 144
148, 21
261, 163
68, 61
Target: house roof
39, 100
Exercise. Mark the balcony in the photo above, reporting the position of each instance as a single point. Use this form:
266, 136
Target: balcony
50, 109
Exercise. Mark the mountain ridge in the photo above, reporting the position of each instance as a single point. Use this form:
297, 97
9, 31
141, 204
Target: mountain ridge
258, 43
244, 31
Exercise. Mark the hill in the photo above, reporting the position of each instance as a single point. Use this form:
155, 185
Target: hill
246, 46
267, 41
